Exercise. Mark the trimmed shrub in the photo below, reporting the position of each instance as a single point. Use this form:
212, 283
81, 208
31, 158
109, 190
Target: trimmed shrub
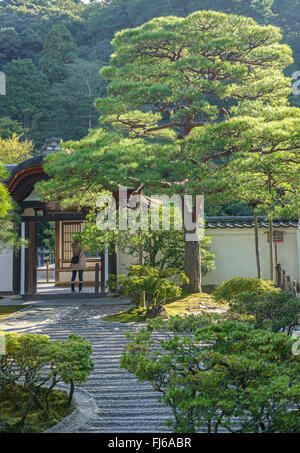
230, 288
219, 376
158, 285
36, 362
274, 310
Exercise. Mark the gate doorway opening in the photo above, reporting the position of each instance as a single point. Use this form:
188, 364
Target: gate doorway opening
54, 254
43, 266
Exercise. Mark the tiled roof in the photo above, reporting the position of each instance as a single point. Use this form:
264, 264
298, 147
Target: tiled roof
246, 222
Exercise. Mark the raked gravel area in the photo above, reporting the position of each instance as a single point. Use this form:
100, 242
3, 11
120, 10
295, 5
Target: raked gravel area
122, 404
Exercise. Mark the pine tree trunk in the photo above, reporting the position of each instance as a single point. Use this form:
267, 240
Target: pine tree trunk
256, 244
193, 265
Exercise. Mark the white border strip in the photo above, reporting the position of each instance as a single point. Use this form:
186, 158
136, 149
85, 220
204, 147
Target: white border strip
22, 284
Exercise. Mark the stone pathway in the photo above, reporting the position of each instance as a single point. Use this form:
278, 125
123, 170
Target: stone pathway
123, 404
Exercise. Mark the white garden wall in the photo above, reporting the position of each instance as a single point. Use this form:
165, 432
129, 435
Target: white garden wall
235, 253
6, 271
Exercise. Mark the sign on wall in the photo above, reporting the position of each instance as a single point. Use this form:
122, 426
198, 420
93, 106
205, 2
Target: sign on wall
278, 236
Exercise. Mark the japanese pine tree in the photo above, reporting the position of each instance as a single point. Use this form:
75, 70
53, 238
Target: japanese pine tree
265, 174
172, 79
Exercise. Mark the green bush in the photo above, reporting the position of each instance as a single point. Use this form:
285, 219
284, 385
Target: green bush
230, 288
158, 285
219, 375
36, 362
115, 283
274, 310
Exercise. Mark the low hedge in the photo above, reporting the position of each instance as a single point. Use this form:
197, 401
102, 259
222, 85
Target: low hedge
279, 311
231, 288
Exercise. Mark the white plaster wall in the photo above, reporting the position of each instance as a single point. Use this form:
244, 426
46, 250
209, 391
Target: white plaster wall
6, 271
124, 261
235, 254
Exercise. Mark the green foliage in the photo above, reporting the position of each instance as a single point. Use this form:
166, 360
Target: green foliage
235, 286
279, 311
14, 151
36, 421
26, 94
72, 112
218, 376
8, 234
161, 248
36, 362
46, 235
114, 283
9, 127
59, 50
25, 24
159, 286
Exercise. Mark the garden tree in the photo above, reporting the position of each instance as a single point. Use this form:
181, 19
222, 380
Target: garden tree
103, 22
173, 78
218, 375
33, 363
8, 235
159, 286
278, 311
24, 25
5, 200
59, 50
272, 187
266, 174
161, 248
8, 127
14, 151
26, 94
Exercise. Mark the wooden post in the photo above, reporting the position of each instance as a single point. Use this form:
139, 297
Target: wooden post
289, 285
57, 249
278, 275
294, 288
47, 271
283, 280
102, 273
97, 269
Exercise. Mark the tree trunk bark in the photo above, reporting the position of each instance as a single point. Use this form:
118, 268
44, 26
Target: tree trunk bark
271, 233
193, 265
271, 249
71, 393
141, 263
256, 244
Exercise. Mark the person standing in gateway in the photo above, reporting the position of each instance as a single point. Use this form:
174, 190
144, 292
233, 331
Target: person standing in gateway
78, 263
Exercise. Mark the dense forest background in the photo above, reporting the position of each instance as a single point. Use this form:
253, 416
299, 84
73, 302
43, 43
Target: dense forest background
52, 50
